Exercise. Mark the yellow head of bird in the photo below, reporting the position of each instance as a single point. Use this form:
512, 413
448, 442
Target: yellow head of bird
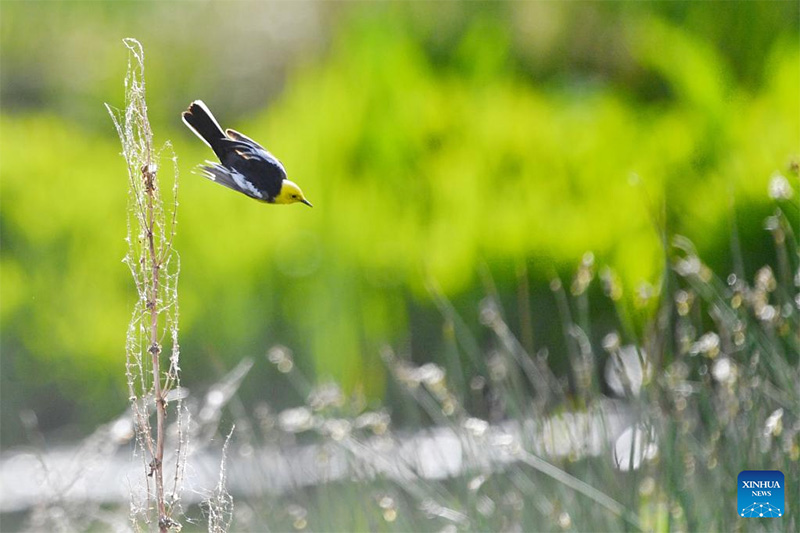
291, 193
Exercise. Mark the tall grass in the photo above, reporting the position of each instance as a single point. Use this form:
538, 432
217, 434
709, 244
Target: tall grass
647, 430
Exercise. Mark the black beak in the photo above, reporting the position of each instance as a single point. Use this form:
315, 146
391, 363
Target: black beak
306, 202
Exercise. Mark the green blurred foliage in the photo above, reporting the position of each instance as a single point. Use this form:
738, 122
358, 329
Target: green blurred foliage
431, 138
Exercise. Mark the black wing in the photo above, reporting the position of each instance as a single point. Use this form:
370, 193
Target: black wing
257, 165
249, 148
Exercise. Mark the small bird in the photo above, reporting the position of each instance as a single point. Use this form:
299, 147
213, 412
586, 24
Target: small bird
245, 165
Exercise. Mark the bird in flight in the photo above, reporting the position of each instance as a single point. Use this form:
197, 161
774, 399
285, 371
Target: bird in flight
244, 165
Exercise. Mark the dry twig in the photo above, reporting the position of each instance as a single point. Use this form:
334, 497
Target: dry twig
154, 265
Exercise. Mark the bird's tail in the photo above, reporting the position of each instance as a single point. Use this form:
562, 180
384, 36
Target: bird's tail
204, 125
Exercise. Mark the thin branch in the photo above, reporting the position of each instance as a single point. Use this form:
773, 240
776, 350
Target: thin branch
150, 259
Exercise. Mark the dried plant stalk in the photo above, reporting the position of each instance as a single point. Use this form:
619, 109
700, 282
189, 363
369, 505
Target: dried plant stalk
154, 265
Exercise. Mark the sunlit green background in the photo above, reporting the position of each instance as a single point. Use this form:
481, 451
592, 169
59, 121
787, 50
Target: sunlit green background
441, 143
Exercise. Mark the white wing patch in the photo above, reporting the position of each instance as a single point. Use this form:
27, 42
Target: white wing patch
245, 185
230, 178
207, 170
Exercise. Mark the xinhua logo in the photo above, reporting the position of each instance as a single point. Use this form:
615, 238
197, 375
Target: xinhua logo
761, 494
